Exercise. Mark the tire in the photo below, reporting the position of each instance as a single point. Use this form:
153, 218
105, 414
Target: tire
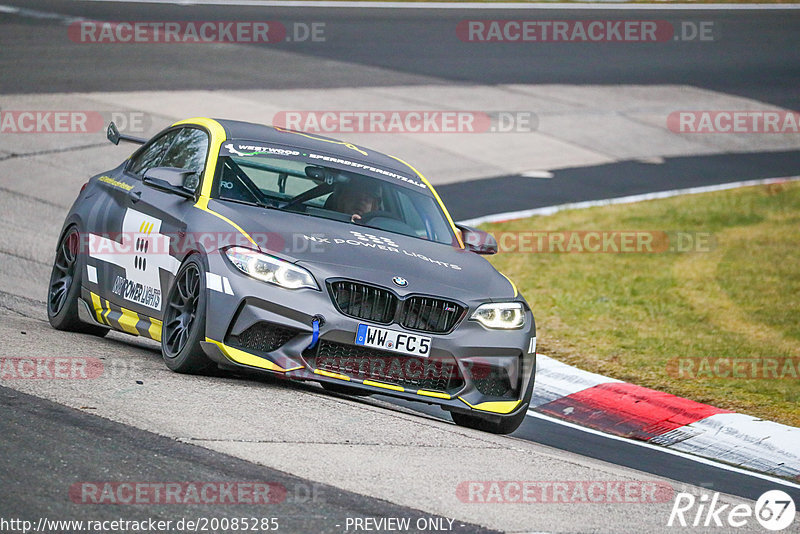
64, 290
184, 325
505, 425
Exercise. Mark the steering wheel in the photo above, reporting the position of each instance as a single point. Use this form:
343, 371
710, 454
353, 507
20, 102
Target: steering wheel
372, 215
385, 220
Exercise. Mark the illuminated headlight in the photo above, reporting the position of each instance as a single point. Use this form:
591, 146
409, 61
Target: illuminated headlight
269, 269
501, 315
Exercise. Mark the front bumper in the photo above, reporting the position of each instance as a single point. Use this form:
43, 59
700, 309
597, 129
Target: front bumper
258, 326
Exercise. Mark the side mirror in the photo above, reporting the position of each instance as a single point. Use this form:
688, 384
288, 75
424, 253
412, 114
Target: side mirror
478, 241
181, 182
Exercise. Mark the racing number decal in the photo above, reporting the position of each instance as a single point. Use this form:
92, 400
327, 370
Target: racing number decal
141, 252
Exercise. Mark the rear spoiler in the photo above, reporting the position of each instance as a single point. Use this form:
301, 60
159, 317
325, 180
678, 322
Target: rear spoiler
115, 137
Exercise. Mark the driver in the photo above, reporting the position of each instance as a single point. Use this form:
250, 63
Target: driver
356, 198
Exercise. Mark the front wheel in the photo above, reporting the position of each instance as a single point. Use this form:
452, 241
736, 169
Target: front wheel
506, 425
344, 390
64, 290
184, 323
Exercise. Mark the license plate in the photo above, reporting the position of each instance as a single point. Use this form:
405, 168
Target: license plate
383, 338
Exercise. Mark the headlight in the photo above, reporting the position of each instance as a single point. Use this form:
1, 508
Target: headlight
269, 269
502, 315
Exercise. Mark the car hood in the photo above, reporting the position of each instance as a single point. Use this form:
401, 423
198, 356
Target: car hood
333, 249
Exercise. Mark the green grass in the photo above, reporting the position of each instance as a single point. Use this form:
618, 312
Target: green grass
628, 315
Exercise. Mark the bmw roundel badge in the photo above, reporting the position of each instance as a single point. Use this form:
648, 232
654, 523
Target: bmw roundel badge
400, 281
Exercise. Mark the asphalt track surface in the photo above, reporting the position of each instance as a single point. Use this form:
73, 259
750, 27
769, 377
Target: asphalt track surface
476, 198
756, 55
753, 54
660, 463
33, 476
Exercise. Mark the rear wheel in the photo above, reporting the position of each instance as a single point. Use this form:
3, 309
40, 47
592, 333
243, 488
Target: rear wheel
184, 325
65, 287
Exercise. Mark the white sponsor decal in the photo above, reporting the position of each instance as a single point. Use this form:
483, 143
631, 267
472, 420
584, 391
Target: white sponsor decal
364, 236
91, 273
215, 282
366, 167
143, 252
232, 150
377, 243
137, 292
257, 150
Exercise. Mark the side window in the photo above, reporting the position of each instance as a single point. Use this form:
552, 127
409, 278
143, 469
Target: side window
423, 215
411, 216
188, 151
153, 153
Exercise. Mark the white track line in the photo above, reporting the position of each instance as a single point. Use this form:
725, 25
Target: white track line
468, 5
549, 210
41, 15
685, 455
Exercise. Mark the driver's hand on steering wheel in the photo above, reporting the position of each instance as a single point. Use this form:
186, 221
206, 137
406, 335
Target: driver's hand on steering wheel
358, 218
357, 202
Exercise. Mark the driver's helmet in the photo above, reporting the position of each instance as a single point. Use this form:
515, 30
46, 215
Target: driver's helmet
366, 186
357, 191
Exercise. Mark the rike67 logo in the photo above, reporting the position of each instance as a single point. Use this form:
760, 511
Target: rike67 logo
774, 510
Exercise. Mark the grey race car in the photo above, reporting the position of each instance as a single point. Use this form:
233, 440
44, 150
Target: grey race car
245, 246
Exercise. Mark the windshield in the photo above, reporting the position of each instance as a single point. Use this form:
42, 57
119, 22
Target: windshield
326, 187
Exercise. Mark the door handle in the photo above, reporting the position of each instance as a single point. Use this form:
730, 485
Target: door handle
134, 196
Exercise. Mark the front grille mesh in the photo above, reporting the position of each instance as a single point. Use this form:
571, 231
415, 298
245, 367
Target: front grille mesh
263, 337
430, 314
492, 381
364, 302
425, 314
434, 374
